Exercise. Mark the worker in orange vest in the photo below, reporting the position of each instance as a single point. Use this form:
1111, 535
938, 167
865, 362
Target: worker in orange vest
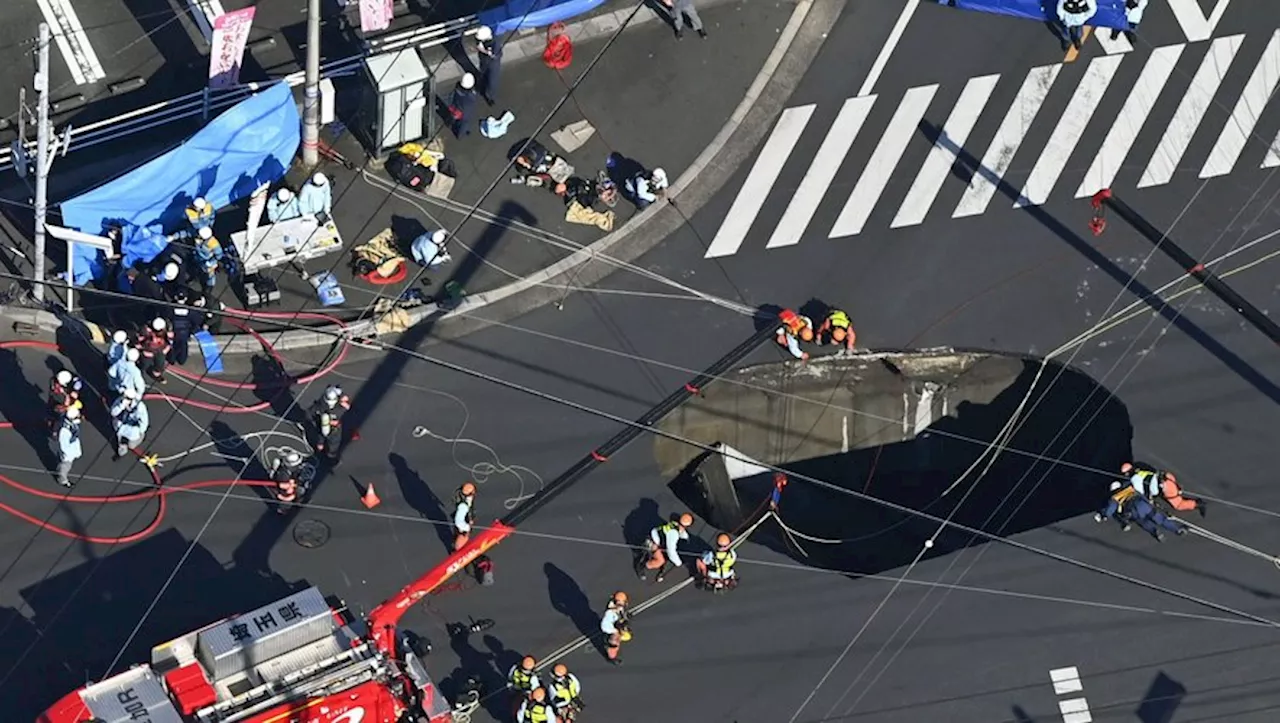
794, 329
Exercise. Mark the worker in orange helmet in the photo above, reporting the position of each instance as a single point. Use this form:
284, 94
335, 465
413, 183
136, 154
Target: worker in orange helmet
522, 681
1158, 485
661, 553
464, 515
616, 627
536, 709
716, 566
837, 329
793, 330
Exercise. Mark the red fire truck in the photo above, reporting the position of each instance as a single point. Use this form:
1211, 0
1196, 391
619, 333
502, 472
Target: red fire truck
302, 660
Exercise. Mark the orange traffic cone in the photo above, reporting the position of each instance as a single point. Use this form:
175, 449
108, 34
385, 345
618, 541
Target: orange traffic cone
370, 498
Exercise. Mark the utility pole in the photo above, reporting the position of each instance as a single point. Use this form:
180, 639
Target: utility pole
42, 160
311, 94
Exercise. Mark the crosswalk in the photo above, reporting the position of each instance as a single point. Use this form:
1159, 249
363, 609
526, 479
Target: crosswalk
1077, 130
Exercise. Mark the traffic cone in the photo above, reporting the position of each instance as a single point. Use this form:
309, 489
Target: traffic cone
370, 498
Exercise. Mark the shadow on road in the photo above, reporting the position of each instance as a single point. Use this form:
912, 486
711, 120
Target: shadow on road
419, 496
569, 600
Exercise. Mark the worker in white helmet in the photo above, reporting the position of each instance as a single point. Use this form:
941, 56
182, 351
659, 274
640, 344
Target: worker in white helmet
200, 214
155, 344
316, 197
67, 440
282, 206
287, 472
125, 376
130, 419
1133, 12
119, 345
462, 103
429, 249
327, 414
208, 254
489, 54
64, 394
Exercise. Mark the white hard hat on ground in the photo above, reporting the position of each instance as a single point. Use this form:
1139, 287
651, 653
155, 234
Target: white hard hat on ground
158, 323
468, 81
206, 233
200, 203
63, 377
484, 33
284, 194
133, 355
120, 336
73, 413
320, 179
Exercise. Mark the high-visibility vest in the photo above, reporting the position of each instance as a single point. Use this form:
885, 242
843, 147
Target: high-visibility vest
537, 713
521, 679
792, 321
566, 688
722, 562
1123, 495
1146, 482
839, 320
286, 491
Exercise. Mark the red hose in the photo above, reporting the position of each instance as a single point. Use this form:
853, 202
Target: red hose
159, 491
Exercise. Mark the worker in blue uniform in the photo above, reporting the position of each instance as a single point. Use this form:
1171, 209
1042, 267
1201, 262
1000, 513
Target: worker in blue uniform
1134, 507
67, 440
119, 345
316, 197
131, 420
125, 375
282, 206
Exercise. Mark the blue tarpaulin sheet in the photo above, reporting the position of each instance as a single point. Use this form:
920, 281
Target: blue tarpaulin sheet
249, 145
1110, 12
518, 14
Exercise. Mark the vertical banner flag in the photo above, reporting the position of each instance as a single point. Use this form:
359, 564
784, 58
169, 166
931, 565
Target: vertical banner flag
230, 35
375, 15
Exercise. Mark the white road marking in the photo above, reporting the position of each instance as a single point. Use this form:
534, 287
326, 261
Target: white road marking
1272, 158
1112, 47
943, 154
902, 128
1195, 24
1142, 98
72, 42
1066, 680
1035, 88
764, 173
1186, 119
1075, 710
816, 183
1247, 111
886, 50
1070, 128
924, 409
844, 434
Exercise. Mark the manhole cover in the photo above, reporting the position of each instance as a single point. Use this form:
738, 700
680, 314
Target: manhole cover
311, 533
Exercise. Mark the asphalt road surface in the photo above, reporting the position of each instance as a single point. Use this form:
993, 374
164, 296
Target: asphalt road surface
971, 636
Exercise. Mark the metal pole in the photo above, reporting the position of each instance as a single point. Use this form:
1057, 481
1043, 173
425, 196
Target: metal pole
311, 94
42, 160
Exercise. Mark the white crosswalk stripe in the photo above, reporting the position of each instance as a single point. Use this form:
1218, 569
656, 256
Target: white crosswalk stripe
73, 44
1111, 143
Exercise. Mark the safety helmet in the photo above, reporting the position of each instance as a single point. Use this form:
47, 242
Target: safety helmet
528, 663
200, 204
484, 33
158, 323
468, 81
63, 377
560, 670
468, 489
132, 355
806, 334
180, 295
723, 541
320, 179
292, 458
539, 695
1115, 486
438, 237
1126, 468
206, 233
620, 598
332, 393
685, 520
170, 271
838, 334
120, 336
284, 194
130, 393
659, 178
73, 413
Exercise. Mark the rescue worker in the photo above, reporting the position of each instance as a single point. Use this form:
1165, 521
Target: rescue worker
462, 104
1134, 507
155, 344
285, 473
328, 412
67, 439
489, 55
206, 306
838, 330
64, 394
283, 206
536, 709
119, 345
1133, 11
522, 680
795, 329
200, 215
464, 514
186, 321
660, 549
130, 419
566, 693
316, 197
170, 277
125, 375
716, 566
429, 249
1158, 485
615, 626
1072, 17
644, 189
208, 254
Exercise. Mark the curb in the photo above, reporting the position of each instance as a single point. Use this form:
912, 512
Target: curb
806, 31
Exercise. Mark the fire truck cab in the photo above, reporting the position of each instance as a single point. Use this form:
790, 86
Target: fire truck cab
297, 660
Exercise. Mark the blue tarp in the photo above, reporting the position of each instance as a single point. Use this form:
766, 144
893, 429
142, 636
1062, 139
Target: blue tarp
250, 144
1110, 12
517, 14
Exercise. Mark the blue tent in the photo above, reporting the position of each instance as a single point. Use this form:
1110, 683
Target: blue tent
517, 14
250, 144
1110, 12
